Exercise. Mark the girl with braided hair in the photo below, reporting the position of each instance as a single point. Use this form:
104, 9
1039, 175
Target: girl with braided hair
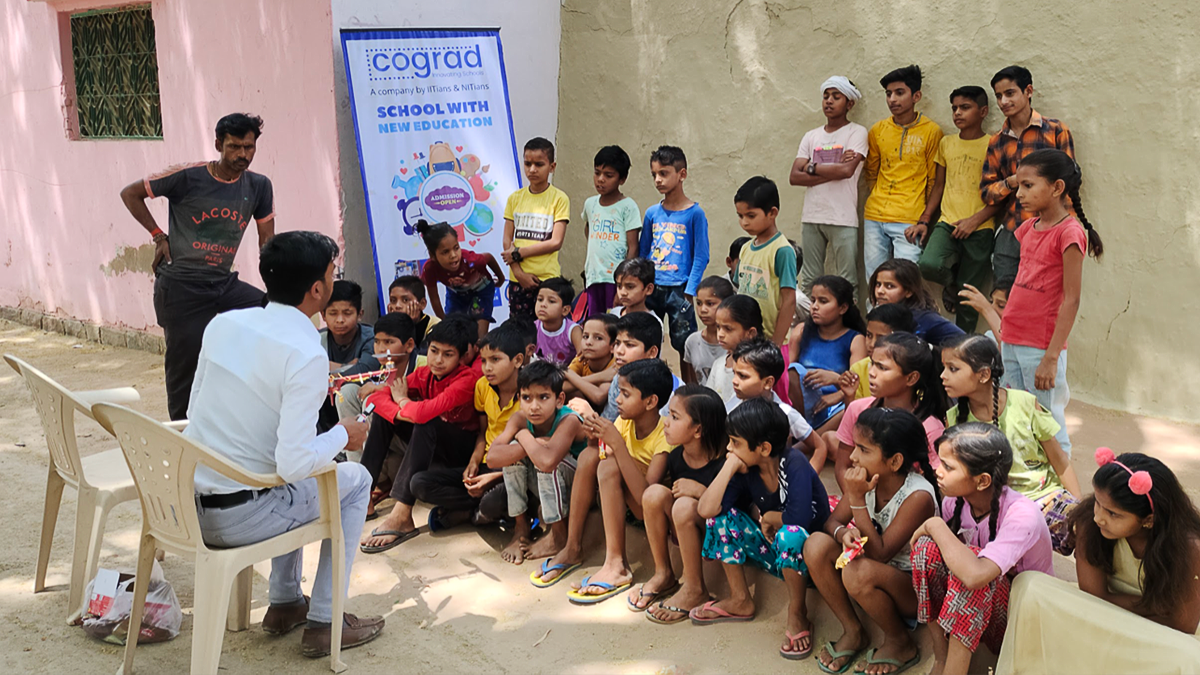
963, 562
1045, 296
971, 372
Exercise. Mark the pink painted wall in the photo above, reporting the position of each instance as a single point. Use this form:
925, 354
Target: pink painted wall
63, 228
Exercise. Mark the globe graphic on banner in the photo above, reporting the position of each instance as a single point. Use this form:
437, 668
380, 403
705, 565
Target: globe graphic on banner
447, 197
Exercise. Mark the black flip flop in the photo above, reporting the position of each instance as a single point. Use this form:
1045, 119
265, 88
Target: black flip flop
400, 538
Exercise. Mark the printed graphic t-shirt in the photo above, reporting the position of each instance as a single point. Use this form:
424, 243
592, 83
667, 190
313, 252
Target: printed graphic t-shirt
608, 228
964, 165
533, 219
763, 270
835, 202
208, 216
677, 242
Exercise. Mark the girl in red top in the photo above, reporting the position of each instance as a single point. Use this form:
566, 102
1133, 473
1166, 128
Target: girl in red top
469, 288
1045, 297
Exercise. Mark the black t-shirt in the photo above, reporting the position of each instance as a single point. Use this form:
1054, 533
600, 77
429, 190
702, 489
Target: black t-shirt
207, 217
677, 467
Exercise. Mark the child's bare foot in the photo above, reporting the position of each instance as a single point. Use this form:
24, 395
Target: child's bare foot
684, 600
567, 557
893, 649
515, 551
851, 641
611, 575
736, 607
794, 643
549, 545
642, 595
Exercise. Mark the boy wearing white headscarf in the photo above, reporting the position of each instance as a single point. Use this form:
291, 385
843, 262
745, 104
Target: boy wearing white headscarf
828, 163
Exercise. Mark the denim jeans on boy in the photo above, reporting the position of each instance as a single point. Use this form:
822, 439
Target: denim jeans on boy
286, 508
882, 242
1020, 363
681, 322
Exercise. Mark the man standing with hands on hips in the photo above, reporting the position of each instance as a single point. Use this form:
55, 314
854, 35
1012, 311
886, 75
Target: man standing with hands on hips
210, 205
260, 381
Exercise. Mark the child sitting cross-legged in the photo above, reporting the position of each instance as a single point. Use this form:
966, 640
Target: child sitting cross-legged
633, 455
695, 425
559, 338
538, 451
889, 493
761, 471
591, 373
757, 366
639, 337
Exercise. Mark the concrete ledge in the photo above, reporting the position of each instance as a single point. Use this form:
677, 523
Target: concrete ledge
113, 337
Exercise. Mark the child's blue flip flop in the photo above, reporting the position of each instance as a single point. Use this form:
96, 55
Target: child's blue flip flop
610, 590
535, 577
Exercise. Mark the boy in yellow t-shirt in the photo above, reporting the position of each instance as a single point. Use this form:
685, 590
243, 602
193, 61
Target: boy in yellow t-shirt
634, 455
767, 263
535, 222
959, 248
900, 171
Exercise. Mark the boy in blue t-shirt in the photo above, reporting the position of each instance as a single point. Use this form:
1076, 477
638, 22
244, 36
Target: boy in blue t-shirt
675, 237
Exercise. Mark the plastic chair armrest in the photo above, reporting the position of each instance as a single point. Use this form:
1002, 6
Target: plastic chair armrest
177, 425
118, 396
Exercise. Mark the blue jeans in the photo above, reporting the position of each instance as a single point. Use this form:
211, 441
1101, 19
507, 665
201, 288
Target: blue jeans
475, 304
286, 508
681, 321
1020, 363
883, 241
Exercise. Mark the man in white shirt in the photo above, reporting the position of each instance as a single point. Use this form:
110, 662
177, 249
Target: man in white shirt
260, 381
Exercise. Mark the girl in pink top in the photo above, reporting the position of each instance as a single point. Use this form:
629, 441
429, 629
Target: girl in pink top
963, 566
1045, 296
905, 374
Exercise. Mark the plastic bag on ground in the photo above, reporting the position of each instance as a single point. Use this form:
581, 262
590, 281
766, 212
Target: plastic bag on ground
108, 619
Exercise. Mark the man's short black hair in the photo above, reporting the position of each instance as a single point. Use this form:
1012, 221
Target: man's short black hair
909, 75
544, 373
641, 269
644, 327
669, 155
398, 325
762, 355
971, 93
543, 144
759, 421
451, 334
610, 322
615, 158
238, 125
1020, 76
505, 338
410, 283
560, 286
759, 192
650, 377
735, 249
345, 290
291, 262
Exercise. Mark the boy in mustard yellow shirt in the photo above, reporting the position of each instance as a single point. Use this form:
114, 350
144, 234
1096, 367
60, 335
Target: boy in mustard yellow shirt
958, 249
900, 172
535, 223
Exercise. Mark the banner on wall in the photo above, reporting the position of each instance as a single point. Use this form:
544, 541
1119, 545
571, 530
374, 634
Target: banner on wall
435, 141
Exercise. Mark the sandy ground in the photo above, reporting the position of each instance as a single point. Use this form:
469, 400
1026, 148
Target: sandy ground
451, 604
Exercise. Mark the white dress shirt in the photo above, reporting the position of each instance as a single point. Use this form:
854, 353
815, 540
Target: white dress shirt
259, 385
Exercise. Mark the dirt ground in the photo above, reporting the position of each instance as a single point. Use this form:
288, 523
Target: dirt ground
451, 604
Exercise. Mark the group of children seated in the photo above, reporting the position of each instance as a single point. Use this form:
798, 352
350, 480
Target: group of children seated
955, 480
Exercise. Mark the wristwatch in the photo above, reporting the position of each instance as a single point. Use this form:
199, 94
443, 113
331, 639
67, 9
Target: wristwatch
516, 255
811, 169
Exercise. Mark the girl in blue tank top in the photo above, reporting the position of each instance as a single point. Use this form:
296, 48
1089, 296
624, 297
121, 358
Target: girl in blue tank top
824, 346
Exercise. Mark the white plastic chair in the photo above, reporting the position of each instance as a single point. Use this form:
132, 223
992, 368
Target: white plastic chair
163, 463
102, 480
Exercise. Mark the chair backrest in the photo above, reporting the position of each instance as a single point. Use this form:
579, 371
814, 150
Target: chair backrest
163, 464
56, 407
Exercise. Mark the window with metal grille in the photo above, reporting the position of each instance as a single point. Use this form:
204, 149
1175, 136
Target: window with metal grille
116, 73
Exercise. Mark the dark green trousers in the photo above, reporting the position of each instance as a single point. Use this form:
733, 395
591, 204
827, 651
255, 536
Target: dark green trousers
953, 262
